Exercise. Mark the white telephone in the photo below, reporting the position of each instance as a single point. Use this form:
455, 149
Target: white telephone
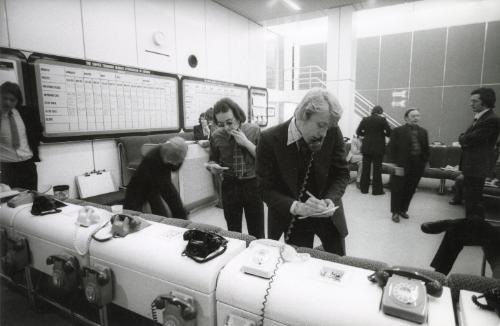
266, 255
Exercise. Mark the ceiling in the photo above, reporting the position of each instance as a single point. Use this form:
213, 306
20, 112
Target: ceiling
270, 12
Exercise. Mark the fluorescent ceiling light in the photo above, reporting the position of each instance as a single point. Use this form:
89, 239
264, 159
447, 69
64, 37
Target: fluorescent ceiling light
292, 5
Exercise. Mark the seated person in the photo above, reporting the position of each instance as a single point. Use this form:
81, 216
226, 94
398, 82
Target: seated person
202, 131
152, 181
464, 232
354, 156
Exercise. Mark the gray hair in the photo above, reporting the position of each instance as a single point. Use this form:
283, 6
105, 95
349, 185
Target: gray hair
175, 148
318, 100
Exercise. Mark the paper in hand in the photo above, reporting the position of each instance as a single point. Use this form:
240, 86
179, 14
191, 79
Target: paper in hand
216, 166
329, 210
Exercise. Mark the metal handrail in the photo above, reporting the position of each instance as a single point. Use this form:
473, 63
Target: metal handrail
393, 122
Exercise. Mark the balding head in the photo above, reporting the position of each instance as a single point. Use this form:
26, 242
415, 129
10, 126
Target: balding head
174, 151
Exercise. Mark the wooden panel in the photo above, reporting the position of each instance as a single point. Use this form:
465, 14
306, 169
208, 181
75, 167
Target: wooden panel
367, 63
427, 64
491, 69
395, 61
457, 114
428, 102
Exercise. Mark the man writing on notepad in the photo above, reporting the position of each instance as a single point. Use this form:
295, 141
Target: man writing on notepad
303, 174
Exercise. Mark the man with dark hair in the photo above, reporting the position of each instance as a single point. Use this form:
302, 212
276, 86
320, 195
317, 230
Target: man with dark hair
20, 134
152, 182
478, 149
408, 150
303, 174
232, 154
373, 130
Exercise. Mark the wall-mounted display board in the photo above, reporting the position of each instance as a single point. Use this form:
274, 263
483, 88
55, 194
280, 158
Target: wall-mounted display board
198, 95
12, 67
85, 99
259, 106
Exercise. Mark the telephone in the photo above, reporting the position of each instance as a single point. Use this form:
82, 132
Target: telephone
405, 293
43, 205
268, 254
492, 297
87, 216
203, 246
98, 285
178, 309
15, 255
65, 273
122, 224
23, 198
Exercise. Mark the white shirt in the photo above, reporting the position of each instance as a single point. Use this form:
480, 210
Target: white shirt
480, 114
7, 152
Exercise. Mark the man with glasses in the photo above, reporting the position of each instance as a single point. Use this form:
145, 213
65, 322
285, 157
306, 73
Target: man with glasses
232, 154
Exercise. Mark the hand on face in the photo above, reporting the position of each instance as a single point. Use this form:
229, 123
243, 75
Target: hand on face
239, 137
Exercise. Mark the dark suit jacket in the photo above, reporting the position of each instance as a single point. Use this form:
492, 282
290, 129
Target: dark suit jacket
34, 129
198, 133
277, 172
374, 129
153, 178
478, 146
400, 145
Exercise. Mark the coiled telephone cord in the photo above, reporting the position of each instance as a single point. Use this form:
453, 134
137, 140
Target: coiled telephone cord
288, 233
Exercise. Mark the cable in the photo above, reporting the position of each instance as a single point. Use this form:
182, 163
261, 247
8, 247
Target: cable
154, 316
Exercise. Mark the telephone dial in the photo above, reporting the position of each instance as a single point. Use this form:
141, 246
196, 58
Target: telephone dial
203, 246
178, 309
405, 293
122, 224
97, 285
15, 254
65, 272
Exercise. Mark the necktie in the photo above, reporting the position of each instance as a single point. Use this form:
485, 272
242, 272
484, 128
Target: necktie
14, 133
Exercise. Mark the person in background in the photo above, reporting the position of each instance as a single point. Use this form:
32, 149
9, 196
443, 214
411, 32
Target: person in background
232, 154
408, 150
354, 157
302, 171
202, 130
478, 149
458, 190
373, 130
152, 182
209, 116
20, 135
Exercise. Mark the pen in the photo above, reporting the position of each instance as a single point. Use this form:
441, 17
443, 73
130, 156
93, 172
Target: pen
311, 195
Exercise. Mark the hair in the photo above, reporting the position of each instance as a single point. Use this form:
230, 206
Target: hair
209, 114
14, 89
202, 116
175, 148
377, 109
407, 112
486, 95
314, 101
224, 105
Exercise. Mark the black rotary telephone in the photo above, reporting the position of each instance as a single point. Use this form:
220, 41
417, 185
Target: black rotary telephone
178, 309
404, 294
43, 205
122, 224
492, 297
203, 246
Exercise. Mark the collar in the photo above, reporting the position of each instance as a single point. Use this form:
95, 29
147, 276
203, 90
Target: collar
480, 114
294, 134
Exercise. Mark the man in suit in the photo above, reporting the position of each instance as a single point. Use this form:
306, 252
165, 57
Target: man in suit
373, 129
302, 171
20, 134
408, 150
478, 149
152, 182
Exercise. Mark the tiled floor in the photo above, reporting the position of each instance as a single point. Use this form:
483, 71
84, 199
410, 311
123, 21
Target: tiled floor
372, 234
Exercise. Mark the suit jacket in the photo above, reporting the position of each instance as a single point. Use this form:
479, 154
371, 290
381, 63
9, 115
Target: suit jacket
277, 173
374, 129
153, 177
34, 129
478, 146
198, 133
400, 145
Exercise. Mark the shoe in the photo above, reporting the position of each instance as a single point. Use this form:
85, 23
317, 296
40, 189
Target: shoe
395, 217
455, 202
404, 215
378, 193
364, 192
437, 227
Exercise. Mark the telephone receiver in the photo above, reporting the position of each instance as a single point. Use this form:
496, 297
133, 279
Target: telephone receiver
492, 297
15, 254
177, 308
288, 254
65, 272
122, 224
87, 216
433, 287
203, 246
43, 205
98, 285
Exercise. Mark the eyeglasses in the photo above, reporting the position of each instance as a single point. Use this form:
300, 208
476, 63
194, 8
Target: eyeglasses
228, 123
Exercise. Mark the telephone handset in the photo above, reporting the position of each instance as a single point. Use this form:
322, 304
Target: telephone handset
98, 285
405, 293
65, 272
203, 246
178, 309
15, 255
122, 224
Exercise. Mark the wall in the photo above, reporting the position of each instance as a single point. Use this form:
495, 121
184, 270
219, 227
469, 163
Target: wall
409, 59
228, 47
